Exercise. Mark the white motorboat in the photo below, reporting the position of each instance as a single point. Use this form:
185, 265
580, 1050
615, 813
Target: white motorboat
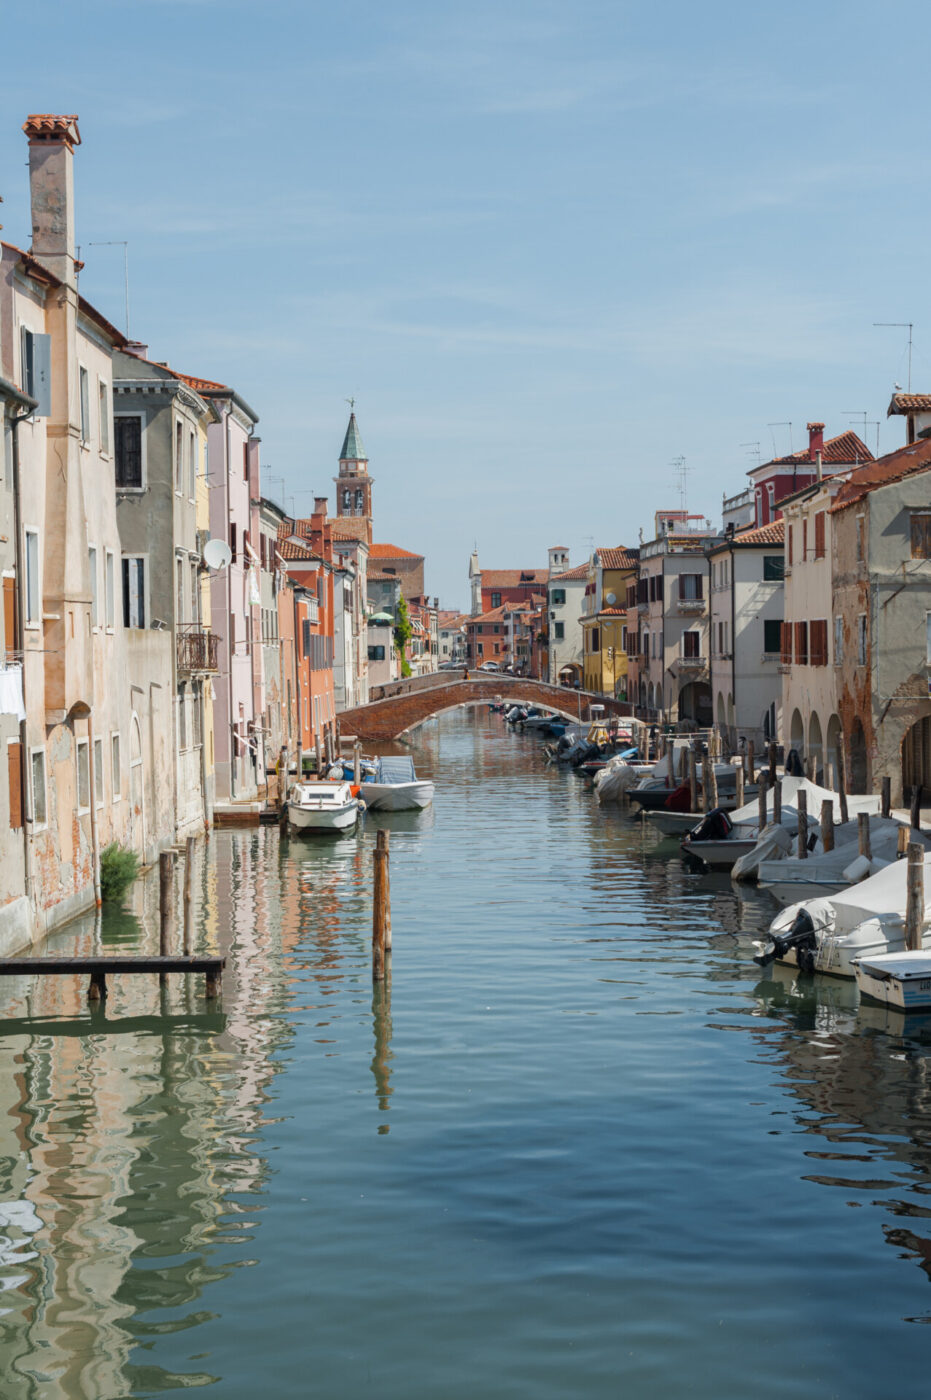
395, 786
322, 807
902, 980
832, 933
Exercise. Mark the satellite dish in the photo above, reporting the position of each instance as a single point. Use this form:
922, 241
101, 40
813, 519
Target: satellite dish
217, 554
610, 599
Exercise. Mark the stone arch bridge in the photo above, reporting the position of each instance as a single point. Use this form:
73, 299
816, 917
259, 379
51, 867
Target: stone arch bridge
410, 703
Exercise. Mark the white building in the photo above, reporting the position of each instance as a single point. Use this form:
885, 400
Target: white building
565, 600
746, 633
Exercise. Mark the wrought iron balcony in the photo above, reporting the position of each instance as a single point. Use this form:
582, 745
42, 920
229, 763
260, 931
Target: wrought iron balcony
197, 650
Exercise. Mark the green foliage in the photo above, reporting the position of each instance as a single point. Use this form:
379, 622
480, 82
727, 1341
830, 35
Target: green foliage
403, 631
118, 869
406, 668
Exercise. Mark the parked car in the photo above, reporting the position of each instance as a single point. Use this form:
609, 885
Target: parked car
489, 666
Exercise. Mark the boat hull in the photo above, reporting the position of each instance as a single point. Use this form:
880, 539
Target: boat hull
309, 822
719, 855
397, 797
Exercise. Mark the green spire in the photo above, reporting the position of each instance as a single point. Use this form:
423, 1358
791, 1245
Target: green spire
353, 451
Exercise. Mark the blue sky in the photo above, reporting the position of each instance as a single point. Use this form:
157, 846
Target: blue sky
548, 248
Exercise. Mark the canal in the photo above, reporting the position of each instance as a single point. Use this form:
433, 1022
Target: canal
577, 1149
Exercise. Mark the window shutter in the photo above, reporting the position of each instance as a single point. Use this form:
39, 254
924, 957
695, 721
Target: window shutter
14, 758
819, 535
682, 585
9, 614
698, 586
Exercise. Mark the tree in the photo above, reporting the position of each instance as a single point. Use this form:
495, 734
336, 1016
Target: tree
403, 631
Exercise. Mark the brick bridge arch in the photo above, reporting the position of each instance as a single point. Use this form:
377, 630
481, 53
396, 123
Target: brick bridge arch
382, 720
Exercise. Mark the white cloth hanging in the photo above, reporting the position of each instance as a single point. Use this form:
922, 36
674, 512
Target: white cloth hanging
11, 692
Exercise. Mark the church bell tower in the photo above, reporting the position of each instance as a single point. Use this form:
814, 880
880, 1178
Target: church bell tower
354, 485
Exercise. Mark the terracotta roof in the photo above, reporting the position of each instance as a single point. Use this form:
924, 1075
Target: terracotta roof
909, 403
580, 571
610, 612
840, 450
908, 461
379, 576
512, 578
391, 551
773, 533
620, 558
349, 527
201, 385
292, 549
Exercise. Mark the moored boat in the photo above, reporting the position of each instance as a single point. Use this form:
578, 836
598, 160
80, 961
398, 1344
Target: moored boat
322, 807
395, 786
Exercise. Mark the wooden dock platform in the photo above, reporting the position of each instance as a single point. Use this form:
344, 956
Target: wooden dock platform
100, 968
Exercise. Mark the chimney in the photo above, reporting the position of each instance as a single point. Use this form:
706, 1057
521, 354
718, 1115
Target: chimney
52, 140
815, 440
136, 347
320, 505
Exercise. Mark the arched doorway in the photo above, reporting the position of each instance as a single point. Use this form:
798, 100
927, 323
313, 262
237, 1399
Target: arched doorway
696, 704
916, 757
815, 746
857, 774
570, 675
834, 741
797, 734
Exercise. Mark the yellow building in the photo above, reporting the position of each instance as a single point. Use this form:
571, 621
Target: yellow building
604, 621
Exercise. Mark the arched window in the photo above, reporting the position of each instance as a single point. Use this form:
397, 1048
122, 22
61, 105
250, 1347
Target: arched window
347, 498
360, 498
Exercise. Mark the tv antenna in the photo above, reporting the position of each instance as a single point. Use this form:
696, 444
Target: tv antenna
681, 470
903, 326
754, 447
786, 423
124, 244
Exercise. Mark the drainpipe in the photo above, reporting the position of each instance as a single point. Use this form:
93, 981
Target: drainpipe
734, 635
28, 406
92, 784
229, 618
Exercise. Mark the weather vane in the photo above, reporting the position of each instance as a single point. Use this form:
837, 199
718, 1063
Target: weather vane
352, 404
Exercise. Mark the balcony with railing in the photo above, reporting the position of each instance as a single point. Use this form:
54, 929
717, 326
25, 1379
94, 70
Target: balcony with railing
197, 650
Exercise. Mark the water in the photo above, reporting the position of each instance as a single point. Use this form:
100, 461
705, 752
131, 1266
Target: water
579, 1148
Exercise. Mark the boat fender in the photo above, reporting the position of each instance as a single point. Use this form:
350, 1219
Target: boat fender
801, 937
858, 869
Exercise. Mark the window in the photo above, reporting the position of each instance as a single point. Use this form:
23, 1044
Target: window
233, 540
921, 534
179, 574
192, 466
182, 716
104, 409
557, 596
819, 534
196, 727
127, 440
773, 568
860, 532
245, 461
819, 642
496, 600
496, 628
110, 590
133, 591
772, 634
28, 355
838, 640
804, 541
691, 641
596, 640
85, 405
790, 530
646, 643
360, 499
305, 636
179, 459
98, 772
116, 777
83, 776
376, 653
801, 644
861, 640
39, 799
33, 603
690, 589
95, 590
559, 631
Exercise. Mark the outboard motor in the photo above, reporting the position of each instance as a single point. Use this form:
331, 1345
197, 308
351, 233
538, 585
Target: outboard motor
801, 937
716, 826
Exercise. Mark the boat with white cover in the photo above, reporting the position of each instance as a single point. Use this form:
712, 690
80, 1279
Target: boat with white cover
902, 980
832, 933
395, 786
322, 807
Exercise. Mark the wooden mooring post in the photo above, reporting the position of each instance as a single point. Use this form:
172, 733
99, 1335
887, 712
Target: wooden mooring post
827, 824
166, 862
902, 842
188, 900
915, 901
693, 779
863, 835
739, 776
916, 807
886, 796
761, 800
777, 802
751, 771
772, 765
357, 763
802, 799
381, 909
705, 783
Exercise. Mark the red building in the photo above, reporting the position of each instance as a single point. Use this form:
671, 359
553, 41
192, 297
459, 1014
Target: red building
783, 476
306, 549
